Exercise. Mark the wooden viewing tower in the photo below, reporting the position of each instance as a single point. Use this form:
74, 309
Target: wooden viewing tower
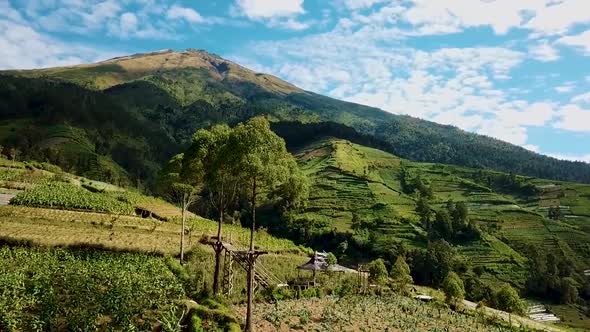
246, 260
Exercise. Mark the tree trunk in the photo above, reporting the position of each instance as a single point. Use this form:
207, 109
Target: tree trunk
184, 203
218, 250
250, 292
251, 262
253, 215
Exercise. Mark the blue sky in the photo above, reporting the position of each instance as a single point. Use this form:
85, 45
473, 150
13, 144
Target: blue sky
517, 70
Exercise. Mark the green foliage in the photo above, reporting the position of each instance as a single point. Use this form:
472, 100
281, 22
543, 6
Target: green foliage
453, 288
508, 300
373, 313
431, 266
142, 115
68, 196
400, 274
73, 289
377, 271
331, 259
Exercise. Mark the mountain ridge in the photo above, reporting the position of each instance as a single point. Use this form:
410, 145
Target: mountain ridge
170, 94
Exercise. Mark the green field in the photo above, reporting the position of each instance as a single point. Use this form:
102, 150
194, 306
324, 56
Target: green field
350, 179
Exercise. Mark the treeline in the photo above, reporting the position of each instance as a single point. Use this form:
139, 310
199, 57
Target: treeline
421, 140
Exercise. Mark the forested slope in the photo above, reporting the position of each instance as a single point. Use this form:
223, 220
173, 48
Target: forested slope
119, 120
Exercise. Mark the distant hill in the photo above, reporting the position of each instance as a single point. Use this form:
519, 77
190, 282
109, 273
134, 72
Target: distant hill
358, 196
120, 119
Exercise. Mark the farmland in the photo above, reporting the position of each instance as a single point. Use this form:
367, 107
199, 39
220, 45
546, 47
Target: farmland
75, 216
84, 290
352, 181
368, 313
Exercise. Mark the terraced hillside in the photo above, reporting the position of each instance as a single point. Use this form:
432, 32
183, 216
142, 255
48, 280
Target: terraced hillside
359, 190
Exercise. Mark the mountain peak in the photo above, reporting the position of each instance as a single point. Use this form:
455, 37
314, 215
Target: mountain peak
123, 69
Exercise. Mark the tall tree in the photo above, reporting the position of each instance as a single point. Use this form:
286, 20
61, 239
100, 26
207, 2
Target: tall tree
181, 187
454, 289
378, 271
210, 154
400, 273
509, 301
263, 161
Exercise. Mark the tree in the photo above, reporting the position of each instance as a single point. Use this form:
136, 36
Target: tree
569, 291
424, 211
442, 227
460, 215
554, 212
432, 265
507, 299
209, 154
294, 192
181, 187
400, 273
264, 164
331, 259
454, 289
377, 271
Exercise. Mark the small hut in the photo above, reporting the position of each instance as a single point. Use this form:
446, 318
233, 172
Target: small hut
318, 263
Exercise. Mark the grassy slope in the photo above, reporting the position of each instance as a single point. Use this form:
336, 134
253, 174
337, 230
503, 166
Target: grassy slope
351, 179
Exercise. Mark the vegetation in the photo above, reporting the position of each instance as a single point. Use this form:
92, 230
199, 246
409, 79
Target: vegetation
68, 196
372, 313
120, 124
400, 275
453, 288
83, 290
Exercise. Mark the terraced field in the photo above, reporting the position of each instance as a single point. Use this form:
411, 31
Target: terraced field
351, 180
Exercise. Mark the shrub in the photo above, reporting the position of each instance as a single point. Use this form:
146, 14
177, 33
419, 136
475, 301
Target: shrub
377, 271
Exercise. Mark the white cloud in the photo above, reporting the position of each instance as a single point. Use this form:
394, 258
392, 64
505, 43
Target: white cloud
556, 17
188, 14
542, 17
6, 11
571, 157
501, 15
579, 41
289, 23
21, 47
360, 4
531, 147
274, 14
543, 51
264, 9
128, 23
143, 19
565, 87
583, 98
574, 118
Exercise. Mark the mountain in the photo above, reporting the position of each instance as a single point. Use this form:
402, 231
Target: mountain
120, 119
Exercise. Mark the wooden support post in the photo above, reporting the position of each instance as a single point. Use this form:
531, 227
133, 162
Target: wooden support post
251, 257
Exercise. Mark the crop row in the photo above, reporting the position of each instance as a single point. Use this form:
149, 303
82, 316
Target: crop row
83, 290
68, 196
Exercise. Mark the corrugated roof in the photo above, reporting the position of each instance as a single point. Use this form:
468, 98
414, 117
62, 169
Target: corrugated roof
318, 263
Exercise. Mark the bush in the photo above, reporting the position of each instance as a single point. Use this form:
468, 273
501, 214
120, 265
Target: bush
195, 324
378, 271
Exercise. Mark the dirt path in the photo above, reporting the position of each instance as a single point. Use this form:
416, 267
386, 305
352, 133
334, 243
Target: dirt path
516, 320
